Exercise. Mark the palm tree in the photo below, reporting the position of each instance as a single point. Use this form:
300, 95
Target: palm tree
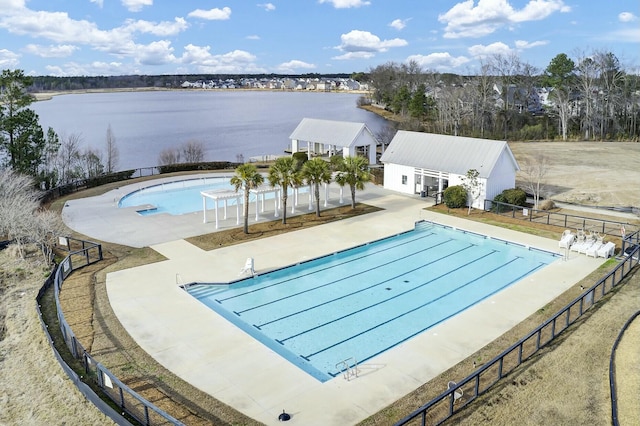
353, 171
247, 178
285, 173
315, 172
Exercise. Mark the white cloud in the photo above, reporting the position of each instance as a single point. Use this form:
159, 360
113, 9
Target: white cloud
364, 43
161, 29
523, 44
51, 51
236, 61
253, 37
354, 55
466, 19
212, 14
399, 24
627, 17
267, 6
441, 61
8, 59
155, 53
93, 68
98, 2
346, 4
135, 5
481, 51
293, 65
624, 35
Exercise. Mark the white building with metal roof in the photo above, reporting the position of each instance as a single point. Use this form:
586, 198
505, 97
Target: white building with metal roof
426, 163
330, 137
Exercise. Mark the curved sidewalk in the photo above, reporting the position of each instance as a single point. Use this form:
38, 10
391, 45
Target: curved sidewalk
205, 350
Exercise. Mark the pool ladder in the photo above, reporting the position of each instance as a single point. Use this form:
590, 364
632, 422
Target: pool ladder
348, 371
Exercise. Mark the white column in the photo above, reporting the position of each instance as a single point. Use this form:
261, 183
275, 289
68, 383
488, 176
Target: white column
225, 208
204, 209
295, 200
276, 203
257, 208
310, 198
262, 203
238, 211
326, 194
216, 213
341, 192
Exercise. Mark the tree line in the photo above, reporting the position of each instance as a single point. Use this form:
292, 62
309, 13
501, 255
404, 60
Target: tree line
588, 97
168, 81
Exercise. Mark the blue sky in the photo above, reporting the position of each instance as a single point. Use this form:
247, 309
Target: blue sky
118, 37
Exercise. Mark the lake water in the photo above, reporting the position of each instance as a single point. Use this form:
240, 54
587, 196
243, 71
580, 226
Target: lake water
227, 123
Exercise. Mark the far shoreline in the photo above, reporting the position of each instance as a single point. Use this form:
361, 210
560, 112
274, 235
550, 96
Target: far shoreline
48, 95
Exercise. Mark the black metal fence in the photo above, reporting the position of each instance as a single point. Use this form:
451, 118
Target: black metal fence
605, 227
81, 254
445, 405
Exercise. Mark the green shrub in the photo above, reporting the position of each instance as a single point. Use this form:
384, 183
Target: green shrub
455, 197
515, 196
499, 208
300, 158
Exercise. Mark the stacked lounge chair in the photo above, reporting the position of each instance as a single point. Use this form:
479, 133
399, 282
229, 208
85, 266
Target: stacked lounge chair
581, 239
607, 250
567, 239
593, 250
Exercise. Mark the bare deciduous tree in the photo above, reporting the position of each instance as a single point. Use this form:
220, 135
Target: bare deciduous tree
471, 183
67, 160
534, 169
169, 156
91, 163
193, 151
112, 153
45, 227
18, 202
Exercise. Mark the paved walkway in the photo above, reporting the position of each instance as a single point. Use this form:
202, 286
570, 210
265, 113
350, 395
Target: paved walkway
205, 350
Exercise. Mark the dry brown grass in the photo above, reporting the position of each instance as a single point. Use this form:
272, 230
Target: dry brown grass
34, 390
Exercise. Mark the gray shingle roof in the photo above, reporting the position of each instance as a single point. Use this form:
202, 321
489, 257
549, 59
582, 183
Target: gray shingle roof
453, 154
339, 133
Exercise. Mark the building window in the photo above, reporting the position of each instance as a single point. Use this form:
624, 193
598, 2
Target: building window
404, 179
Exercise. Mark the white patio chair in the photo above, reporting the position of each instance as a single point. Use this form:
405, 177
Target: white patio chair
248, 267
457, 394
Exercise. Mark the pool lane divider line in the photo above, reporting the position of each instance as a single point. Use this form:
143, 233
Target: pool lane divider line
336, 373
423, 265
307, 357
355, 259
391, 298
327, 284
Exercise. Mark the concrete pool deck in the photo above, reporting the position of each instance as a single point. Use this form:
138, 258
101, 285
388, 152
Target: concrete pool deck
205, 350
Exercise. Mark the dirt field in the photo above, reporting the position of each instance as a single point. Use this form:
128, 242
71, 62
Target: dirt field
569, 383
605, 174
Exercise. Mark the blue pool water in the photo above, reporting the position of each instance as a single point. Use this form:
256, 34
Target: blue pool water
363, 301
174, 198
181, 197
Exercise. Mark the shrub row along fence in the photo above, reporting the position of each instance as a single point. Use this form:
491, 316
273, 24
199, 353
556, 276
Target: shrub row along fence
81, 184
605, 227
80, 254
445, 405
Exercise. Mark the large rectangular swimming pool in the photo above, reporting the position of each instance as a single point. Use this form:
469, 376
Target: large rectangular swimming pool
365, 300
